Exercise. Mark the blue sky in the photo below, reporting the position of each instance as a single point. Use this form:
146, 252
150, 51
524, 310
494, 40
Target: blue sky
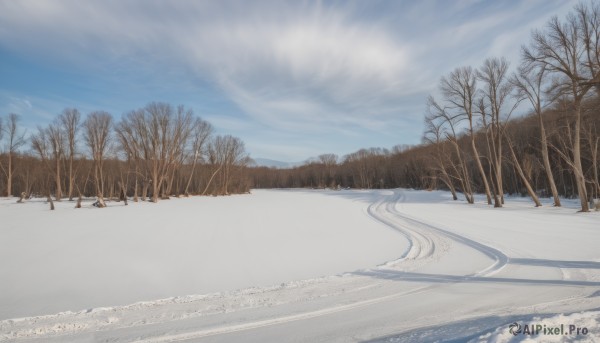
292, 79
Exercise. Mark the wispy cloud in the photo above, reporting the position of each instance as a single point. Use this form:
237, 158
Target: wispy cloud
305, 70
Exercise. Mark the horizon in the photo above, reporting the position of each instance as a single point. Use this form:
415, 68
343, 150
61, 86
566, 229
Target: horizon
292, 80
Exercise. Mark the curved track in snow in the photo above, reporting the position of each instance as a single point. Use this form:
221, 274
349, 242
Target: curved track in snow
423, 236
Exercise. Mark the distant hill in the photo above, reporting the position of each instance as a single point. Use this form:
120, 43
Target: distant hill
265, 162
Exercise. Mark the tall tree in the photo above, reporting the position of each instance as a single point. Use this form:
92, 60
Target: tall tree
329, 161
447, 126
496, 90
70, 121
14, 140
528, 83
97, 128
129, 132
157, 135
434, 135
592, 138
226, 153
49, 144
460, 91
521, 173
200, 135
181, 131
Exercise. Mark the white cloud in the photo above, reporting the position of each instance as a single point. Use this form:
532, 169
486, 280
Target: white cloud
19, 105
308, 69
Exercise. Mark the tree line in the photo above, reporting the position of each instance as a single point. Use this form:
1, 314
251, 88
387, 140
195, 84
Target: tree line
472, 140
151, 153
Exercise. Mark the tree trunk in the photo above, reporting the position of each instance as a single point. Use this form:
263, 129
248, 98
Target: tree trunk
71, 178
579, 176
58, 194
211, 178
9, 176
155, 191
526, 182
155, 183
144, 189
49, 198
122, 192
135, 189
494, 166
446, 179
187, 186
468, 193
546, 160
498, 157
595, 166
481, 171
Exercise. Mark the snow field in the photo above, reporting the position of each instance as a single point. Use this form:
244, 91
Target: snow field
75, 259
411, 266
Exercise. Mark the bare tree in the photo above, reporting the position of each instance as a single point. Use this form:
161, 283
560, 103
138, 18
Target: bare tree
365, 167
496, 90
97, 127
49, 144
592, 138
528, 83
181, 131
447, 127
521, 173
329, 161
156, 137
200, 135
459, 89
434, 135
69, 120
129, 132
15, 140
569, 51
225, 153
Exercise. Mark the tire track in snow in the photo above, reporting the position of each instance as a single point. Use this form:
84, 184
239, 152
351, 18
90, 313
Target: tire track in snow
277, 320
422, 236
419, 246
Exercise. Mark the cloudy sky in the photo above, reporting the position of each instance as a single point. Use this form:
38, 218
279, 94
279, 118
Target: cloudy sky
293, 79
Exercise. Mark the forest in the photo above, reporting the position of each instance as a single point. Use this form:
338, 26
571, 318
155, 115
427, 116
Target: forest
499, 128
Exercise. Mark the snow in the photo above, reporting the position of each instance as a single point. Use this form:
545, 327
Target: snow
297, 265
74, 259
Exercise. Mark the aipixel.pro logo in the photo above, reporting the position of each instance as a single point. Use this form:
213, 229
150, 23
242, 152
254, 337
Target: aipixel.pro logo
546, 330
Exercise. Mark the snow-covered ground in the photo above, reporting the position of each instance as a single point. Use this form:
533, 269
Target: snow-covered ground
297, 265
